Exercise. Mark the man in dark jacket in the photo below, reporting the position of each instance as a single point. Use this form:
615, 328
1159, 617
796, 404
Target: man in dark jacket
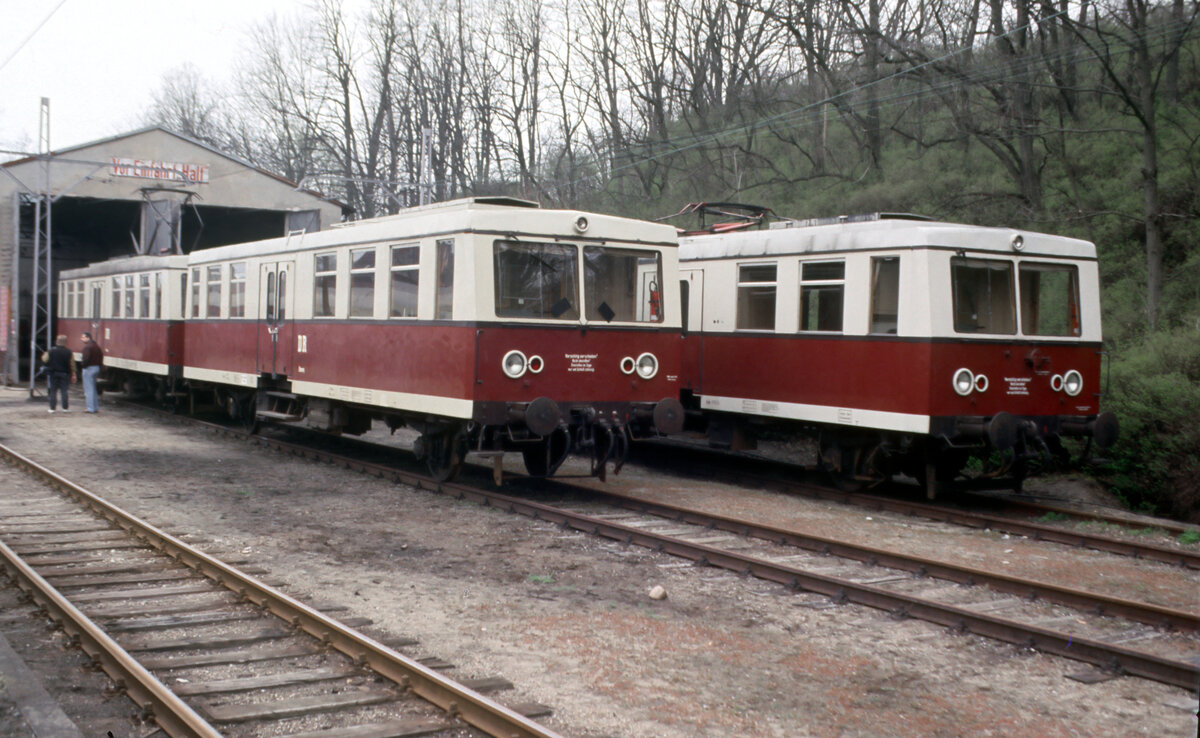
93, 359
60, 365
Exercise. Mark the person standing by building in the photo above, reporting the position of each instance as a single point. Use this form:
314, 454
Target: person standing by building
93, 359
60, 365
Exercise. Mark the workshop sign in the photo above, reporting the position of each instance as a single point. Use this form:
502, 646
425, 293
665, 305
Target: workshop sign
170, 171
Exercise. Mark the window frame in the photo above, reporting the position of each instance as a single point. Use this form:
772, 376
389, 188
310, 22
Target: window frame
320, 276
444, 285
144, 295
237, 289
212, 280
393, 269
745, 285
822, 285
195, 292
978, 262
356, 275
874, 316
1074, 310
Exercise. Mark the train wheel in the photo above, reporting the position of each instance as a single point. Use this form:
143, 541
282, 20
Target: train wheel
444, 455
853, 467
248, 412
543, 458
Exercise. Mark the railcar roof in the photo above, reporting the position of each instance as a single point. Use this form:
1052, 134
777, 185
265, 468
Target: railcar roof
126, 264
790, 239
521, 218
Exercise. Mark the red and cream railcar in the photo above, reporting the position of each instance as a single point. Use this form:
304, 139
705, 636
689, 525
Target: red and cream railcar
907, 345
486, 324
133, 307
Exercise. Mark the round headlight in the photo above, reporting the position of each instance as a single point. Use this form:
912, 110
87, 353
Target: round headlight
1072, 383
514, 364
647, 366
981, 383
964, 381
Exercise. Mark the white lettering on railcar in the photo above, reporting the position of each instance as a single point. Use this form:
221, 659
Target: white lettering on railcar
580, 362
1017, 385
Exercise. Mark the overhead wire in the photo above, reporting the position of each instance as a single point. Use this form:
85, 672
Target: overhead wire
32, 33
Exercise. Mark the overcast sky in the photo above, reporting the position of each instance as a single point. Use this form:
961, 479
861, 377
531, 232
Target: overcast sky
101, 61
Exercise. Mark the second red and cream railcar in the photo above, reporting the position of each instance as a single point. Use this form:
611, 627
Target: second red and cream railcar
904, 344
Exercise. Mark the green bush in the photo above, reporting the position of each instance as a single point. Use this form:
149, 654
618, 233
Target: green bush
1155, 391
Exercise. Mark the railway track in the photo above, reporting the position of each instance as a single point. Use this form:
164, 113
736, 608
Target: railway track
206, 649
1014, 517
1116, 636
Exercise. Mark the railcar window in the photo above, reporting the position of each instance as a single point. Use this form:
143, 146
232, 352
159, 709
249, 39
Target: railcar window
756, 297
622, 284
182, 295
214, 292
281, 308
128, 295
80, 301
158, 296
536, 280
406, 272
143, 295
97, 297
445, 278
237, 290
1049, 299
114, 309
325, 284
983, 295
64, 290
196, 292
821, 295
885, 293
271, 303
362, 282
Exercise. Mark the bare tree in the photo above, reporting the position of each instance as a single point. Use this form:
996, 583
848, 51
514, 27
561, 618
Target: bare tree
1135, 45
186, 103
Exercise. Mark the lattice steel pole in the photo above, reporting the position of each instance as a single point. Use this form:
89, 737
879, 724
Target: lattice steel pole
42, 308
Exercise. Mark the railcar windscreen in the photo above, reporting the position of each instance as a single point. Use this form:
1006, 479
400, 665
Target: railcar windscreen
622, 285
536, 280
1049, 299
983, 296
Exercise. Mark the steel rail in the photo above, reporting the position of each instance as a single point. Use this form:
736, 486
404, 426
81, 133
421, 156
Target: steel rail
457, 700
1108, 656
1155, 615
1174, 527
943, 513
1098, 653
171, 713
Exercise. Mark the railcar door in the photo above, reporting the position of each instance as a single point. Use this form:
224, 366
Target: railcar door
275, 323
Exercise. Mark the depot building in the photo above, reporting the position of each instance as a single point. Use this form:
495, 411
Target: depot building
147, 192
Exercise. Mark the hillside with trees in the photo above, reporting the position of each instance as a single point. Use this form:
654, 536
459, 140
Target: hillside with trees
1075, 118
